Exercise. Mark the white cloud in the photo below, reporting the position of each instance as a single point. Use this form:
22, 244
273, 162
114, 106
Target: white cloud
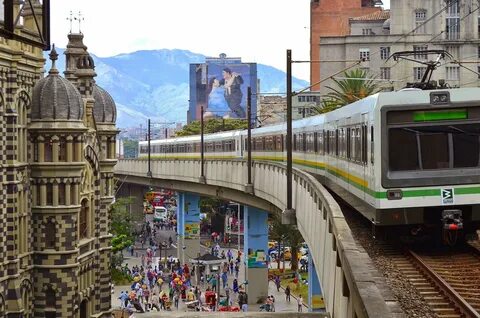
255, 30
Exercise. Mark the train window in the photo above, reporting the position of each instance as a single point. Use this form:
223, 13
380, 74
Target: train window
294, 142
320, 142
280, 142
364, 144
357, 152
304, 142
371, 144
349, 153
219, 146
403, 151
327, 142
315, 144
336, 142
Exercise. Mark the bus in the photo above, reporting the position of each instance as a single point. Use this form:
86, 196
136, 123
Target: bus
160, 214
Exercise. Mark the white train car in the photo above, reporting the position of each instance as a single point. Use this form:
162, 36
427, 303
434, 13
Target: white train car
408, 159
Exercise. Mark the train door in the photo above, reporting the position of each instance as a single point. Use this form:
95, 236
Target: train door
365, 163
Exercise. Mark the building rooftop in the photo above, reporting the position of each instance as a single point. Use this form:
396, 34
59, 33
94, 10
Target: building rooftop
375, 16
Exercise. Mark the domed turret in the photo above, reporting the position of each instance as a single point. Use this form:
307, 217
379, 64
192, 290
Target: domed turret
55, 98
104, 110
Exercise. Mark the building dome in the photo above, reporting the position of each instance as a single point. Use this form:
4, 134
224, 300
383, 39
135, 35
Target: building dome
104, 110
55, 98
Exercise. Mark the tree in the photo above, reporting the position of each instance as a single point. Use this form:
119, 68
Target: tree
212, 126
278, 233
289, 235
357, 84
294, 239
122, 228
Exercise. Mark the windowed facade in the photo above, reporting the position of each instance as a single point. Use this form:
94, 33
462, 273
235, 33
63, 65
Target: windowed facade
83, 224
453, 73
385, 73
50, 230
418, 73
453, 20
420, 18
418, 49
367, 32
384, 52
454, 50
364, 54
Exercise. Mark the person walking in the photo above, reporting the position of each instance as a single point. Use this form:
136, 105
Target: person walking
287, 293
245, 303
300, 303
277, 282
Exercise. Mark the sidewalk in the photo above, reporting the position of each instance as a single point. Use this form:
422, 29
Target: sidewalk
281, 305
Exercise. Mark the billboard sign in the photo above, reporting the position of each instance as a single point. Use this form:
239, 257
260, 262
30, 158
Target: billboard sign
221, 88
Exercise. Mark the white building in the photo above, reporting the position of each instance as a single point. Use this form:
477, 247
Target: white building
413, 25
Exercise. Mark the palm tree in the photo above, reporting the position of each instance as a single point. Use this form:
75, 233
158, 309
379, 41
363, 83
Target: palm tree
357, 84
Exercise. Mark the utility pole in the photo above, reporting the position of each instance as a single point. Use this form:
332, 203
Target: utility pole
249, 185
202, 157
149, 173
288, 215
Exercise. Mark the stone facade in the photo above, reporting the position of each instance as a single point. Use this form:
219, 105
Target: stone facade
455, 29
57, 153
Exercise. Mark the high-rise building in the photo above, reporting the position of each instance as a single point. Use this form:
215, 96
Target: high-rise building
331, 18
57, 154
416, 26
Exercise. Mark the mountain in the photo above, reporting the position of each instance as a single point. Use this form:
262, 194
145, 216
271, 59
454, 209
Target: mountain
155, 84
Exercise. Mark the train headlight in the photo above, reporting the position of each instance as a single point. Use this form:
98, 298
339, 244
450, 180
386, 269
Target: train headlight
439, 98
394, 194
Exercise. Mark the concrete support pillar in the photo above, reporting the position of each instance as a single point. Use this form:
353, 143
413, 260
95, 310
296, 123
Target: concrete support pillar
191, 220
255, 252
180, 225
315, 296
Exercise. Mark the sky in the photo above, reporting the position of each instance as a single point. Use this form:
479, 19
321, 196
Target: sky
256, 30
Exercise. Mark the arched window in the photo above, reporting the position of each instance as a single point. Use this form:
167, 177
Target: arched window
84, 309
49, 194
61, 194
62, 150
50, 232
50, 298
27, 299
83, 224
48, 150
2, 306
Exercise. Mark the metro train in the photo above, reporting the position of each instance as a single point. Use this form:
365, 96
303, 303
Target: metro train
407, 160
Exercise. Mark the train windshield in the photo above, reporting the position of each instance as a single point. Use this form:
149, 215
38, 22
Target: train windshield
434, 147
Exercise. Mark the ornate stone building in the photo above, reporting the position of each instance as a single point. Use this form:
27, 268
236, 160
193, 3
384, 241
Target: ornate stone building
57, 154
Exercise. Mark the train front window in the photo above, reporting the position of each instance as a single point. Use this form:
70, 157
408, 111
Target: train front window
434, 147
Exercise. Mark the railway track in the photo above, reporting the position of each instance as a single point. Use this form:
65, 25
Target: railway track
449, 282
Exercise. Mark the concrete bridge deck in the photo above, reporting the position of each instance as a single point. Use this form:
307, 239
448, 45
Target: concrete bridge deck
351, 285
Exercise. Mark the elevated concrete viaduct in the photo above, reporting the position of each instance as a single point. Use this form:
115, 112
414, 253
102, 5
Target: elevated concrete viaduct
351, 286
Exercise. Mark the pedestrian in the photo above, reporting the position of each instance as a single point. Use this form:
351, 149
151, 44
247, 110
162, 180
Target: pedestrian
123, 299
287, 293
237, 269
235, 286
245, 303
231, 267
175, 300
277, 282
132, 248
300, 303
155, 302
272, 305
